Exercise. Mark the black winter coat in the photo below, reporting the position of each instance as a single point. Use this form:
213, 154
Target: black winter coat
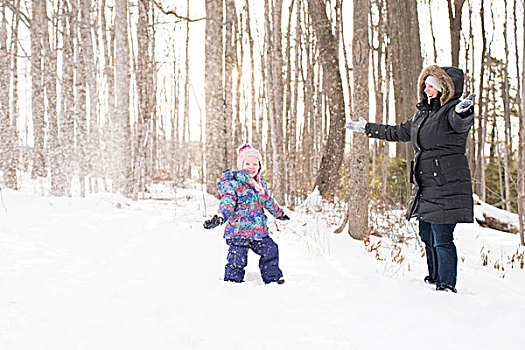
440, 172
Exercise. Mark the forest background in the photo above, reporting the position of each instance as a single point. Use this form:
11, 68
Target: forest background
117, 95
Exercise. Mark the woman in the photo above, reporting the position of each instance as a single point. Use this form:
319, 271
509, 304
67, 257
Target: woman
442, 194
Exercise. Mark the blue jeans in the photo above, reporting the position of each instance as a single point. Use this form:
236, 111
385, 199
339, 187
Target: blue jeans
442, 258
238, 259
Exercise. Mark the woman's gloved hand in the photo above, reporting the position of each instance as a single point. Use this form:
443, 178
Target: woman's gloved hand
357, 126
465, 107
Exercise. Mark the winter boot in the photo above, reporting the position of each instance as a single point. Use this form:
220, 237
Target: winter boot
430, 280
446, 288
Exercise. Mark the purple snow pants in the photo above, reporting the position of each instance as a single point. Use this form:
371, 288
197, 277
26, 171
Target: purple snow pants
266, 248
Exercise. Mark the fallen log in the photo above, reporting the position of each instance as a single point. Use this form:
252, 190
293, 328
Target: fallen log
496, 224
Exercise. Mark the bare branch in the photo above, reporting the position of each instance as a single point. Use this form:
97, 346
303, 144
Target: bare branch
173, 12
17, 12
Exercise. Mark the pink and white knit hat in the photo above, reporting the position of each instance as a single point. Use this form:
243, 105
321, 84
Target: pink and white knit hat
246, 151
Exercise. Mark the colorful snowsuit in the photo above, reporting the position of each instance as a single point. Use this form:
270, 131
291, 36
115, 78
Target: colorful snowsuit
243, 210
242, 207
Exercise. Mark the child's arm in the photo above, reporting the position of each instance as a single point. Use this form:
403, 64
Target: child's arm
270, 204
228, 200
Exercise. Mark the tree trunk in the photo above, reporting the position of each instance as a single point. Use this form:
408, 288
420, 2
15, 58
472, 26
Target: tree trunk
469, 87
328, 174
144, 92
10, 145
50, 62
92, 150
81, 101
434, 58
405, 49
186, 117
454, 16
37, 91
506, 111
255, 117
521, 167
215, 159
228, 148
109, 72
358, 205
8, 157
479, 173
275, 89
122, 154
66, 125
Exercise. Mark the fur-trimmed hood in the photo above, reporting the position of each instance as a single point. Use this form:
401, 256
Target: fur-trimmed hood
450, 78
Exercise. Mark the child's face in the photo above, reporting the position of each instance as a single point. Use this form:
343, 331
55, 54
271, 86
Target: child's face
251, 165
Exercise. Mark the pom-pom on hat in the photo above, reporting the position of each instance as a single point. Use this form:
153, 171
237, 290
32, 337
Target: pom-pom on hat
246, 151
433, 81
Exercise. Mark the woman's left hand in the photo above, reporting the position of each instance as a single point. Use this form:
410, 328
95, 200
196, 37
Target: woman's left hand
463, 107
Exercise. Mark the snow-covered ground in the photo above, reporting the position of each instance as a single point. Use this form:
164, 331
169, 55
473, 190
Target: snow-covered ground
104, 272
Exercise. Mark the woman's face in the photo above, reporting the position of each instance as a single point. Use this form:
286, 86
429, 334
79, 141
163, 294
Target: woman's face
251, 165
431, 91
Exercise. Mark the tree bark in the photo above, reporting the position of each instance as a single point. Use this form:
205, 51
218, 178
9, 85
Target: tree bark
144, 92
228, 148
405, 49
122, 155
275, 89
506, 114
328, 175
254, 115
10, 143
50, 62
81, 158
479, 172
109, 73
454, 15
8, 154
66, 125
37, 91
214, 95
92, 150
358, 205
521, 167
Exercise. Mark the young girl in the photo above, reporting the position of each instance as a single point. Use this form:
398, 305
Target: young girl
244, 196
